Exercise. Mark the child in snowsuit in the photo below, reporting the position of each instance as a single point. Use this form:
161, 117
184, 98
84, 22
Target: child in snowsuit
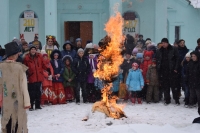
153, 83
81, 68
144, 67
185, 86
135, 83
90, 80
193, 79
69, 77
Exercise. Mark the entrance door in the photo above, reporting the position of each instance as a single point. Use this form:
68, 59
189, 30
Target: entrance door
81, 30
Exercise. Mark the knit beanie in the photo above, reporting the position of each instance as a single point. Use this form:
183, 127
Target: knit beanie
139, 56
80, 50
31, 47
135, 51
78, 39
188, 54
89, 45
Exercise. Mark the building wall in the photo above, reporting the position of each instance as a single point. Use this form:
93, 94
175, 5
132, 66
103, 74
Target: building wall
180, 13
92, 10
146, 11
16, 7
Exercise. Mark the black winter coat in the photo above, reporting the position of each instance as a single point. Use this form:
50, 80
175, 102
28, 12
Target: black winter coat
192, 74
81, 68
197, 49
182, 52
173, 58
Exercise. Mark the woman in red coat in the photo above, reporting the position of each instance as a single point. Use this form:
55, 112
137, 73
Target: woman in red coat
47, 91
144, 67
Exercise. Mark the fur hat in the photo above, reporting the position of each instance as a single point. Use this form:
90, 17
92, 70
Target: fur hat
165, 40
67, 57
56, 52
80, 50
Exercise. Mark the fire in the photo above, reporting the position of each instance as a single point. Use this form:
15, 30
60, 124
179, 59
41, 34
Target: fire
108, 67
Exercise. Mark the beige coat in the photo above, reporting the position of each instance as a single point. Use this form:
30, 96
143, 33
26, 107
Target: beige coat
13, 89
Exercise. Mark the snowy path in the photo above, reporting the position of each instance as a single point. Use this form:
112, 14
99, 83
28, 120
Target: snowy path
154, 118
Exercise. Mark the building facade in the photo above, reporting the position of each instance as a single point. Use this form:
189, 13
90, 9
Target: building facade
69, 19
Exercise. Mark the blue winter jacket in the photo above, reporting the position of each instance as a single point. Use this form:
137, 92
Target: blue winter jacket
58, 70
135, 80
72, 53
116, 83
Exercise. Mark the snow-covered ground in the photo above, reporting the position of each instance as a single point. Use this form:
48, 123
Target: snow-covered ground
145, 118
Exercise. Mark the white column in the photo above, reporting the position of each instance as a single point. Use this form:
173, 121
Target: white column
4, 22
160, 20
50, 17
113, 4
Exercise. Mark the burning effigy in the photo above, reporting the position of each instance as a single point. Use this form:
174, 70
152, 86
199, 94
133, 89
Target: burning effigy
109, 62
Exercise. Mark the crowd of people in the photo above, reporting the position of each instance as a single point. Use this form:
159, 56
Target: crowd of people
149, 71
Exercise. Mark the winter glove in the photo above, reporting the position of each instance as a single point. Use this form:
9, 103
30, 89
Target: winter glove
50, 77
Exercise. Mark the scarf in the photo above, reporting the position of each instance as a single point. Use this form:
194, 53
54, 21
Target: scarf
56, 63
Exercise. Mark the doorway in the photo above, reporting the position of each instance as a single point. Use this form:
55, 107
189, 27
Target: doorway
78, 29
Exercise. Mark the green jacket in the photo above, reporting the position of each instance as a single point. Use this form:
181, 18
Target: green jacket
68, 74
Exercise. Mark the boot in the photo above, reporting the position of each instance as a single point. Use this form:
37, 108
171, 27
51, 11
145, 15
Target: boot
139, 101
37, 104
133, 100
31, 109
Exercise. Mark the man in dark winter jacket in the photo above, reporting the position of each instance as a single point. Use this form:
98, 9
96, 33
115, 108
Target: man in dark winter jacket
141, 40
81, 68
78, 44
129, 43
198, 46
193, 79
182, 50
167, 65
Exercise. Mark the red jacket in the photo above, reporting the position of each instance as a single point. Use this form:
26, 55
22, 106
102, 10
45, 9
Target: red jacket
146, 63
36, 66
46, 82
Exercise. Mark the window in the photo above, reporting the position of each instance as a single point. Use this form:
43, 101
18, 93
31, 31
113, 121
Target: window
177, 33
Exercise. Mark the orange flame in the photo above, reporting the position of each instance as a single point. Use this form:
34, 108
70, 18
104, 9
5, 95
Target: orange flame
111, 58
109, 63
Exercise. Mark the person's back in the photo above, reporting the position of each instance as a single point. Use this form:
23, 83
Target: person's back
13, 92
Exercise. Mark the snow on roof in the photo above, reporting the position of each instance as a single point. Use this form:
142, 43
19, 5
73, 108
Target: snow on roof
195, 3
